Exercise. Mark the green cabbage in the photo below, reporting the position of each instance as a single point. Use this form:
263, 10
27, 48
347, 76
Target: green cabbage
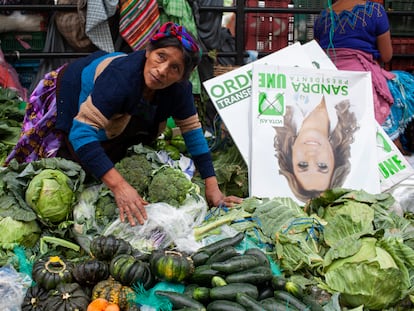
370, 277
50, 195
24, 233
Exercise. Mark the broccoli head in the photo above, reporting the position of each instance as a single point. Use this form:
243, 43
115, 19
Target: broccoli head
170, 185
137, 170
106, 210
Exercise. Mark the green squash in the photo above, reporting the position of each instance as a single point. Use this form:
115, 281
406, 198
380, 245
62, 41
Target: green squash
107, 247
91, 272
50, 271
67, 297
34, 299
129, 271
171, 266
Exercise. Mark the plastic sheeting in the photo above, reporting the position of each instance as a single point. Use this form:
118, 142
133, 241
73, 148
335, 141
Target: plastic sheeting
404, 191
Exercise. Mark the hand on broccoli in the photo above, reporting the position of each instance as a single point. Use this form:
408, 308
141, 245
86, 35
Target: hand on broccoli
136, 169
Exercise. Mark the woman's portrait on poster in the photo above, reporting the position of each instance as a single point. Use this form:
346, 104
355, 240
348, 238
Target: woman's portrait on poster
313, 147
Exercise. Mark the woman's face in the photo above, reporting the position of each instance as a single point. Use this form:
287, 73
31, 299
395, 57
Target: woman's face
313, 160
163, 67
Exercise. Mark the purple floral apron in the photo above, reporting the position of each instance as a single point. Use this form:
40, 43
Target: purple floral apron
39, 138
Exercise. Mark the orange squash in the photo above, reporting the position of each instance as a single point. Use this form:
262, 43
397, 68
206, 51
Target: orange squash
98, 304
101, 304
114, 292
112, 307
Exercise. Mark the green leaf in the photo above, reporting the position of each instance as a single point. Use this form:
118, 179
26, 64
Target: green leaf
346, 224
276, 214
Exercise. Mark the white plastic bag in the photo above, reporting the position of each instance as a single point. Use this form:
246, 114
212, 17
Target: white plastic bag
166, 225
13, 287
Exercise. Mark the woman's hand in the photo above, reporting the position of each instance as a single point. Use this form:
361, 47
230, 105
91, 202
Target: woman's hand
215, 197
128, 200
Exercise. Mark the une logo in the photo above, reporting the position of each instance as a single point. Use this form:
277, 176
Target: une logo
271, 106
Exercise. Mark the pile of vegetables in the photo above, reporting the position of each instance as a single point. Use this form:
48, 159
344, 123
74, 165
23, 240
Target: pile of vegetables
339, 251
172, 143
344, 249
153, 179
116, 275
230, 167
11, 117
105, 275
349, 241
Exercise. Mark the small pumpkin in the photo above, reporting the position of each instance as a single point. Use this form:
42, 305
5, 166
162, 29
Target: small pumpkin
171, 266
49, 271
114, 292
101, 304
34, 298
107, 247
67, 297
91, 272
129, 271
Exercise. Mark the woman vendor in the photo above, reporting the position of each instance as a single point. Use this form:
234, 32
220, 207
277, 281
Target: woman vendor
93, 109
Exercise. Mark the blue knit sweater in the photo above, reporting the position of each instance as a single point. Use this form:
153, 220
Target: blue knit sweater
118, 91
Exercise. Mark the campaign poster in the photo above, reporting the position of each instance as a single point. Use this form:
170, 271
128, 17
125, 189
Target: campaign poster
230, 93
311, 130
393, 167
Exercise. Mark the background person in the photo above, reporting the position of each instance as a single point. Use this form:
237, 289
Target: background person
313, 153
93, 109
356, 36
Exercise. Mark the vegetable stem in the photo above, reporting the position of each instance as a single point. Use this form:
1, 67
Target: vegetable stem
232, 215
57, 242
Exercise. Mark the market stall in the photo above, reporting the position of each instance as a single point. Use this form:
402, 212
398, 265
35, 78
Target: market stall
346, 246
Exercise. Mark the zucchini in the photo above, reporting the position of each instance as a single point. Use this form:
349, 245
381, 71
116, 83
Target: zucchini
290, 300
179, 300
265, 291
188, 290
294, 289
186, 309
223, 254
260, 254
278, 282
225, 305
199, 258
272, 304
201, 294
215, 246
229, 291
256, 275
218, 281
203, 274
248, 302
236, 264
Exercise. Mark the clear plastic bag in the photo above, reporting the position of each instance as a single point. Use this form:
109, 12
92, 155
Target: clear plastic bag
13, 287
85, 226
404, 195
166, 225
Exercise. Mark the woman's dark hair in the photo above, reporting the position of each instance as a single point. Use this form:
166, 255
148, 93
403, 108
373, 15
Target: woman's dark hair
191, 59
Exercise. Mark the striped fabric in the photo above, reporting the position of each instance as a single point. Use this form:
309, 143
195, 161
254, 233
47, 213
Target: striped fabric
139, 20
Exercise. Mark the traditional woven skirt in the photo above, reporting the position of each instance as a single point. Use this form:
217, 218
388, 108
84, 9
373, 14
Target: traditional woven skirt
402, 110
